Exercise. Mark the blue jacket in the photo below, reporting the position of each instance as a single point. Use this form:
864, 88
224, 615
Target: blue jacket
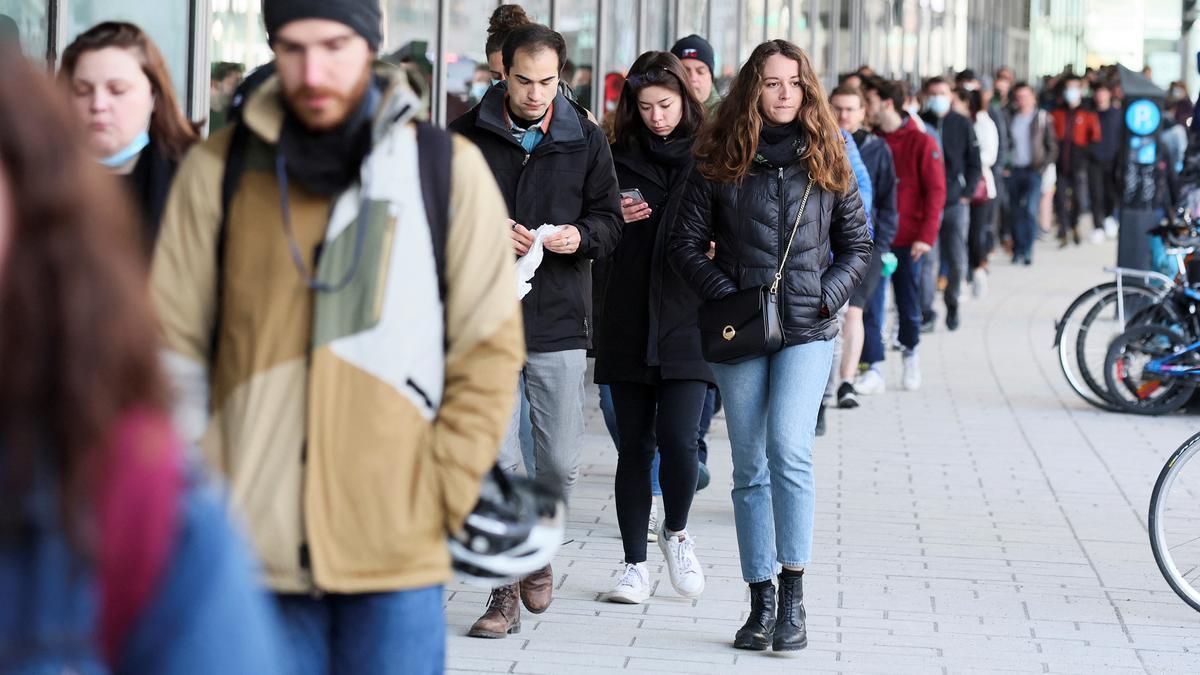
877, 156
209, 616
865, 190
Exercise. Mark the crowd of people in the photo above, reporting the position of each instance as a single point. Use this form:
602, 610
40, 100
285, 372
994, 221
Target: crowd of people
367, 328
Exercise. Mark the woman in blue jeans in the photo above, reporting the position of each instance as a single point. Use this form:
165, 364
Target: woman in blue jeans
774, 141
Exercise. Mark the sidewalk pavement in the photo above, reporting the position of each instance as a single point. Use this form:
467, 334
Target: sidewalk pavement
992, 522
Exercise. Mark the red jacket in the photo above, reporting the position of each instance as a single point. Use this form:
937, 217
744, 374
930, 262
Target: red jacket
1087, 127
920, 183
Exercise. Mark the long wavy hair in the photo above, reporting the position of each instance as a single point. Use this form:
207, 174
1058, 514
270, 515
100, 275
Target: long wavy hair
726, 147
78, 343
661, 69
170, 129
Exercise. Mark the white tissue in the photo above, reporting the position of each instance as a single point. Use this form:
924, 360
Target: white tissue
527, 265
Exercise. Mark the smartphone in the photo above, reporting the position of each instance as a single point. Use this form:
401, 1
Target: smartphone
634, 194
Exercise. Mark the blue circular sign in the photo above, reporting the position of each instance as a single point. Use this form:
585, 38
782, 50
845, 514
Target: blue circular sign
1142, 117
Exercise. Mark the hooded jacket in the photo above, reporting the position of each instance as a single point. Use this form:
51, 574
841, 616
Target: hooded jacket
353, 427
647, 327
920, 183
751, 223
568, 179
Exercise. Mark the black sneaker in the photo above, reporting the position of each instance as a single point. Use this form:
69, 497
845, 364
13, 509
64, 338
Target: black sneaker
847, 397
952, 318
821, 420
929, 323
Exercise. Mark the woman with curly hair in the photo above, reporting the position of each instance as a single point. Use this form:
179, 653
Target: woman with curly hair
774, 189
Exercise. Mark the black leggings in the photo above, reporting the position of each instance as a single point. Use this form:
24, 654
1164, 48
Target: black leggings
666, 415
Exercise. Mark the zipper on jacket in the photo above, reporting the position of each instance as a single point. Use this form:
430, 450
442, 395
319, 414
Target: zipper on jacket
526, 160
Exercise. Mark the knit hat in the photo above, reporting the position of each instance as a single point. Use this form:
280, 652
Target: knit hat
364, 16
694, 47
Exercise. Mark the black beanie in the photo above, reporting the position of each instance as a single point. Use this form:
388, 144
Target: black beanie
364, 16
694, 47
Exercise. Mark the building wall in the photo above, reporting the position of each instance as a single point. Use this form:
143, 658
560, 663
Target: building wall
899, 38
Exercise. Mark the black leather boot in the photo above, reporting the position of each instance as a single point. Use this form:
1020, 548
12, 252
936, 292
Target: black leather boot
760, 625
790, 632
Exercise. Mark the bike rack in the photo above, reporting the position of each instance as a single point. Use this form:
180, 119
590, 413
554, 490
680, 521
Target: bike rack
1146, 276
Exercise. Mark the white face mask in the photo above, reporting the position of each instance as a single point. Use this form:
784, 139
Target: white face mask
1073, 96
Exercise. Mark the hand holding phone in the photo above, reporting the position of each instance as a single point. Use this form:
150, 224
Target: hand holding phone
634, 206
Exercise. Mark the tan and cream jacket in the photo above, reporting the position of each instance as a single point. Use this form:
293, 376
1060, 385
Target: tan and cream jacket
352, 427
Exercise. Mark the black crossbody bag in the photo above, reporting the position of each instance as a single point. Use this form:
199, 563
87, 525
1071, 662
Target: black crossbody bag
747, 324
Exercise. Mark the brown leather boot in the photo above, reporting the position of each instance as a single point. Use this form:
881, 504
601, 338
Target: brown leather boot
503, 615
537, 590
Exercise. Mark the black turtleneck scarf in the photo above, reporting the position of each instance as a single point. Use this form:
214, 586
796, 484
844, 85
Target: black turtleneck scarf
779, 146
672, 151
328, 162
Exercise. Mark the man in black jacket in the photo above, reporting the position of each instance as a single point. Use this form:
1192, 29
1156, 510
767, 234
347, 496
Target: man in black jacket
554, 167
960, 151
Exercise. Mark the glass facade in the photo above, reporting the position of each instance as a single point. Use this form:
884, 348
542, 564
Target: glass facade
445, 38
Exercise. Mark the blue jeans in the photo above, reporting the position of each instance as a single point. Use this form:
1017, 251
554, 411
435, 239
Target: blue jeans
398, 632
1025, 197
771, 411
873, 347
906, 284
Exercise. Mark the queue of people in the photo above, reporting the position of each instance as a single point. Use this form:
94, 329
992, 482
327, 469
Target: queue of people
708, 249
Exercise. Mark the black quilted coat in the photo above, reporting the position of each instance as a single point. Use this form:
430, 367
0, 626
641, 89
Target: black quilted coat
751, 223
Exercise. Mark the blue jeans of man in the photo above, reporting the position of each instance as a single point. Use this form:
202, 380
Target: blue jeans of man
366, 633
873, 347
771, 411
906, 285
1025, 197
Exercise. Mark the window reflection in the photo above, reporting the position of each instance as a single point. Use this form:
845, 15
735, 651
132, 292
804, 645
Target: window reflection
25, 22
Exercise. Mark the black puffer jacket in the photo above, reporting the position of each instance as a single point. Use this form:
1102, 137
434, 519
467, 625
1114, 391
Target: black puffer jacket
751, 223
646, 328
568, 179
149, 184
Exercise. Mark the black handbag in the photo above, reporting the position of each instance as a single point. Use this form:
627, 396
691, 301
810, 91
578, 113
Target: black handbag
746, 325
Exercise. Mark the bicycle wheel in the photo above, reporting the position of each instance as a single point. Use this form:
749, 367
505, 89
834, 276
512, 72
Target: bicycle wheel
1134, 389
1175, 522
1084, 332
1102, 324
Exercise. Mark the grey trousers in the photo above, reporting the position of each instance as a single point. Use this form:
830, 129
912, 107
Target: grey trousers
554, 387
950, 251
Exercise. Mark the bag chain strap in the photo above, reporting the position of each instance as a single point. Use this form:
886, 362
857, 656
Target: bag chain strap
795, 228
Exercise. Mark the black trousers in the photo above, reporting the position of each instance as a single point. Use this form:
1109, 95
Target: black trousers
666, 416
982, 237
1102, 183
1071, 197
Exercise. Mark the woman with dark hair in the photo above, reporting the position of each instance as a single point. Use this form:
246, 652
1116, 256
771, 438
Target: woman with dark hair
773, 187
111, 559
647, 342
121, 92
981, 238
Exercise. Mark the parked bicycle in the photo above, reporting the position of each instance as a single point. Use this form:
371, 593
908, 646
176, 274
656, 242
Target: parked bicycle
1175, 522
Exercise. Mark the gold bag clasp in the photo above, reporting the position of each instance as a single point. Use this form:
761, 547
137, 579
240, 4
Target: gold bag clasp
728, 333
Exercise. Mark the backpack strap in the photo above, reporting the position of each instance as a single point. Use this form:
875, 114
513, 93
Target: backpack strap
235, 166
433, 156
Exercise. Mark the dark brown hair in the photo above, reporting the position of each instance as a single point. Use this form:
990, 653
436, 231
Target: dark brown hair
505, 20
655, 69
170, 129
533, 38
78, 344
727, 145
847, 90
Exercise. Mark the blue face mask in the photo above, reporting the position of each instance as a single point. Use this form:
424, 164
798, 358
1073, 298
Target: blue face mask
478, 89
496, 82
938, 105
136, 146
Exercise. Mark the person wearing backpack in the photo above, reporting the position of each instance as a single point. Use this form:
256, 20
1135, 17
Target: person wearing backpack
114, 557
343, 343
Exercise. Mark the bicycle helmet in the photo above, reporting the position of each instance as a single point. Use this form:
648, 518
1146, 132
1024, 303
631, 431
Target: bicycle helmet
515, 530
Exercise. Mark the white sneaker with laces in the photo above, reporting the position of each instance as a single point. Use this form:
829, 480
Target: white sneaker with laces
870, 383
912, 371
633, 588
979, 282
1110, 227
652, 530
684, 567
1099, 237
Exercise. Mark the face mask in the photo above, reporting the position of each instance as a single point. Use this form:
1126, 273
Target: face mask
1073, 96
1177, 92
496, 82
138, 144
912, 110
479, 89
938, 105
970, 86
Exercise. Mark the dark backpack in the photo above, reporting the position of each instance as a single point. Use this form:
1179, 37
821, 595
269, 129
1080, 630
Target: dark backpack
433, 155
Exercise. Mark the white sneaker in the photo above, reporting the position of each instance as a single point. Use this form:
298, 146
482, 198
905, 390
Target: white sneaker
979, 282
633, 588
682, 563
870, 383
1099, 237
652, 531
912, 371
1110, 227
